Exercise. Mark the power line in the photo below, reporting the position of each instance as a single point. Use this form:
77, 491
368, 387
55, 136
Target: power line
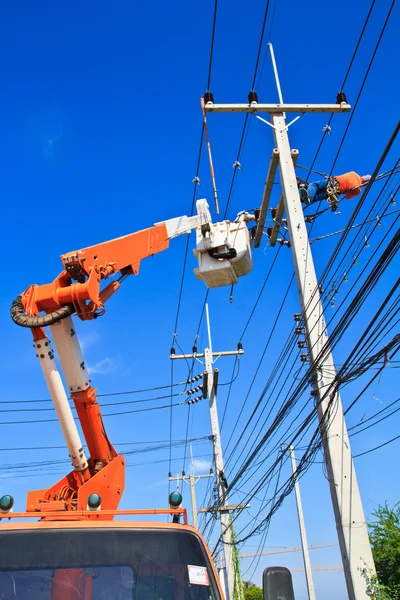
212, 44
363, 84
312, 414
343, 84
246, 119
377, 219
140, 443
377, 447
375, 415
160, 387
260, 44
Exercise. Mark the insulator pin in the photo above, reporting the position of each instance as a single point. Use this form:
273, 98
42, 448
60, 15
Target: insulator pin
252, 96
208, 97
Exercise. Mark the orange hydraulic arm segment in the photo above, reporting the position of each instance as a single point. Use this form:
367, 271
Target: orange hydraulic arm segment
78, 286
78, 290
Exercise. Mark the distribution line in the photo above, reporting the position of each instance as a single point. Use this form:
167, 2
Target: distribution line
377, 219
246, 119
340, 243
343, 85
160, 387
212, 44
166, 442
377, 447
246, 465
265, 347
374, 415
362, 85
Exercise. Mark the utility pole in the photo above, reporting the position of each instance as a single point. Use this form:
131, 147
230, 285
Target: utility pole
302, 527
210, 386
348, 510
193, 479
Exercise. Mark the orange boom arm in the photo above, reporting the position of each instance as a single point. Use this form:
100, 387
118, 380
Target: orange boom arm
99, 479
78, 286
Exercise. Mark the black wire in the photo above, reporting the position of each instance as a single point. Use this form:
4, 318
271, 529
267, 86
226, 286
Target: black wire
272, 24
343, 84
233, 379
243, 333
186, 438
376, 422
315, 295
246, 120
279, 361
188, 237
260, 44
374, 415
170, 426
260, 294
242, 138
265, 534
25, 410
162, 444
212, 44
377, 447
160, 387
126, 412
363, 84
276, 421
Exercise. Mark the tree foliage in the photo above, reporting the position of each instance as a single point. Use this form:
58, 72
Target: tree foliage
384, 533
253, 592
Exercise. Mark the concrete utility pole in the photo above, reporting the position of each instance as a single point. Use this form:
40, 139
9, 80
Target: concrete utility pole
210, 391
302, 527
349, 515
193, 479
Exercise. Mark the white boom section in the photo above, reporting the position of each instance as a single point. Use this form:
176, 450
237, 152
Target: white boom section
184, 225
70, 355
61, 404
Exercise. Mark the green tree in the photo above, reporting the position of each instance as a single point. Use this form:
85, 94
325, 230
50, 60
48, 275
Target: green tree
247, 584
384, 533
253, 592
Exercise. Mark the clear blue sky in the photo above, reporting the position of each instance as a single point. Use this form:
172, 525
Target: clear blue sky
100, 127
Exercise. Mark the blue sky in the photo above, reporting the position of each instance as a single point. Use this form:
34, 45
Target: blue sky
100, 125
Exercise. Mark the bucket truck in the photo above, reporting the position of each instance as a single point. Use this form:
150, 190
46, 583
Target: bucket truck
76, 551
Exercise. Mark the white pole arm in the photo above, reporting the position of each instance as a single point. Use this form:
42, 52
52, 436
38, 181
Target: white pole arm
61, 404
70, 355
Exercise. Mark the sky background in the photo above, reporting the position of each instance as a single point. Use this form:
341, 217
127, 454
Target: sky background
100, 126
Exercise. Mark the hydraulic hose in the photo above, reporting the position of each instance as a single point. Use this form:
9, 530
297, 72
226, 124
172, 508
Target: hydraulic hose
20, 317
